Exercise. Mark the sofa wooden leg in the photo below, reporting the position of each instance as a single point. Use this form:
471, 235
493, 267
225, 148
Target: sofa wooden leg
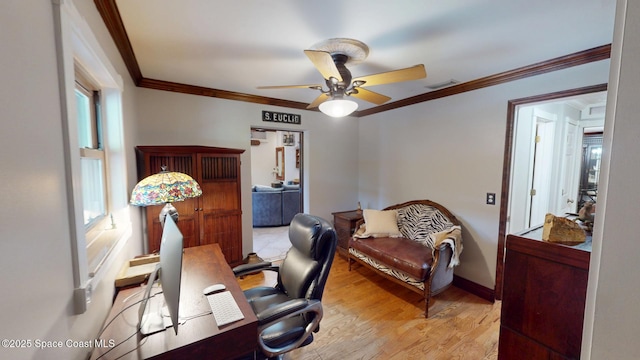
427, 297
427, 300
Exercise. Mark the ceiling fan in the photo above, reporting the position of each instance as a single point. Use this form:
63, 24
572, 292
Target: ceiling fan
330, 58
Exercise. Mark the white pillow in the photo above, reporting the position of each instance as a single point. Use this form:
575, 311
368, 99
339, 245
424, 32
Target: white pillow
381, 223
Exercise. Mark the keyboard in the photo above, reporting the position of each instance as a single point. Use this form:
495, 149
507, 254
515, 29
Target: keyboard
224, 308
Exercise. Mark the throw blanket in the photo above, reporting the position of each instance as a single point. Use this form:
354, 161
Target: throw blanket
451, 236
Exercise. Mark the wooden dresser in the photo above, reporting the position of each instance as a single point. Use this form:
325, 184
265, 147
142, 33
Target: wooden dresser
213, 218
344, 222
545, 286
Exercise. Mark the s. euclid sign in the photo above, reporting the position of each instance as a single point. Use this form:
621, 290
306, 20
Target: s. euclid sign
273, 116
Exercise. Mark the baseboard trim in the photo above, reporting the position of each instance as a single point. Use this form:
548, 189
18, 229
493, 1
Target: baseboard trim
475, 289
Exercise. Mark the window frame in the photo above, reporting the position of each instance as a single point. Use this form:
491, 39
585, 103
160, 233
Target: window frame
88, 87
91, 90
92, 250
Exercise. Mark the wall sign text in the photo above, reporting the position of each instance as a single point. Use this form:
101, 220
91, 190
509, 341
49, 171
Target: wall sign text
273, 116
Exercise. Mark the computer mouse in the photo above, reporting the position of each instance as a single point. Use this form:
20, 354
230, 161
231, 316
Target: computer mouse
213, 289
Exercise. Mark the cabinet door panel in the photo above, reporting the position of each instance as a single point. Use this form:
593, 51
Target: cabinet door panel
219, 167
543, 299
219, 196
224, 230
554, 312
221, 214
515, 346
179, 162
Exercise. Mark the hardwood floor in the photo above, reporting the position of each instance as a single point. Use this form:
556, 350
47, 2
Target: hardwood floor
368, 317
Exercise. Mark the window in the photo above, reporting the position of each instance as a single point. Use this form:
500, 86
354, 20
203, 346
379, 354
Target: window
92, 159
95, 161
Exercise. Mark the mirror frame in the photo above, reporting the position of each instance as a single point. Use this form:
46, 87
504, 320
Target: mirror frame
506, 167
280, 163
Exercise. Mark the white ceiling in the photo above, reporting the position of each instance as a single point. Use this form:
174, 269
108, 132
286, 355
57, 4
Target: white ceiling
237, 45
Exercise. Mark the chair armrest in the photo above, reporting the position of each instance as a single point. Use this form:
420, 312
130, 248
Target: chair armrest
291, 308
246, 269
282, 310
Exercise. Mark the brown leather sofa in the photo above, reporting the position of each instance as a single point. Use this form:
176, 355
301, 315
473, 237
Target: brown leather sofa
409, 260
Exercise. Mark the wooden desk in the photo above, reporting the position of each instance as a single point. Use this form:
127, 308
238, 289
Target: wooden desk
199, 337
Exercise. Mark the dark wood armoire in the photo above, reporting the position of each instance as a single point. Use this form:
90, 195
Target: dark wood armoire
214, 217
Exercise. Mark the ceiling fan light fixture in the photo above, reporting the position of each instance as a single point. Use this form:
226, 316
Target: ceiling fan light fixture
338, 107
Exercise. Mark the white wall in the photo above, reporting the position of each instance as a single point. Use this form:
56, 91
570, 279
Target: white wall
35, 245
329, 148
451, 151
263, 160
612, 319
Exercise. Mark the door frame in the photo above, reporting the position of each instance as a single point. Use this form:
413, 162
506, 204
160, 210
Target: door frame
506, 167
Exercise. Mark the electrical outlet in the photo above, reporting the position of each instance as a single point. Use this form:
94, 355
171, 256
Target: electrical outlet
491, 198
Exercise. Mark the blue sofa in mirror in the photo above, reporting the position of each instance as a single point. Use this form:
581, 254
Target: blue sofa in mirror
275, 206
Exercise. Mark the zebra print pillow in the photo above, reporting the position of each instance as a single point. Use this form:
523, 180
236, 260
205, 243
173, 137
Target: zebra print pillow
418, 221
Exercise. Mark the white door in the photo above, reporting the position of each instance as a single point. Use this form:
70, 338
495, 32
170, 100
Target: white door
569, 179
542, 170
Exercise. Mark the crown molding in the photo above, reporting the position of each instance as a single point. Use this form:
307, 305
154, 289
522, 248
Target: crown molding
563, 62
217, 93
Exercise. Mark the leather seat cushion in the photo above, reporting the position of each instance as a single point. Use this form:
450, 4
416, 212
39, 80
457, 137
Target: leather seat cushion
401, 254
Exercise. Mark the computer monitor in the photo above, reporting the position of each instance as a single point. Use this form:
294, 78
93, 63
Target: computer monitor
169, 274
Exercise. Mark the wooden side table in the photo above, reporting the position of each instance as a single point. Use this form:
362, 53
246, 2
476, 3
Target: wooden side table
344, 223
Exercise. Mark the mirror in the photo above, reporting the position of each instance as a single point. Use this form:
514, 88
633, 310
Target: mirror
280, 163
517, 179
555, 155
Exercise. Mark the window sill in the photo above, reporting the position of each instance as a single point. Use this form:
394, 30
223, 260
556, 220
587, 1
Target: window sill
102, 244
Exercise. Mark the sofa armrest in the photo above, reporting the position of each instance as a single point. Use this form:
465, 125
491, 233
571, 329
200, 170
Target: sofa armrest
290, 205
442, 273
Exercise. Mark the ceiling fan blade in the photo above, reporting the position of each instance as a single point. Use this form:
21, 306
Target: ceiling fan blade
323, 61
411, 73
314, 87
370, 96
319, 100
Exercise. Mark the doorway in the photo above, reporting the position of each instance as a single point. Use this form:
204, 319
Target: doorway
575, 110
277, 164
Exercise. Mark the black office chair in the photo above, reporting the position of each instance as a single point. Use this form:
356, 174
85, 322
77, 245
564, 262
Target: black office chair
289, 313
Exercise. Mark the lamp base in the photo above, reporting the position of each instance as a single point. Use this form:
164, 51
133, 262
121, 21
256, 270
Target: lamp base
170, 210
